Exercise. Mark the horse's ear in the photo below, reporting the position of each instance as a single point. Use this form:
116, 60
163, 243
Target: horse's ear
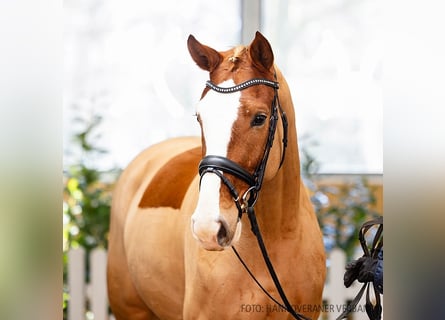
205, 57
261, 51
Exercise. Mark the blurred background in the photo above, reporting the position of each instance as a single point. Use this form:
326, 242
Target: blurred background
129, 82
128, 63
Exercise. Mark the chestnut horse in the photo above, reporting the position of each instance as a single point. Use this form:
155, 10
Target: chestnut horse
171, 225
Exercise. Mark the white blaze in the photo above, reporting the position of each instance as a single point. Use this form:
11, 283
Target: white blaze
218, 112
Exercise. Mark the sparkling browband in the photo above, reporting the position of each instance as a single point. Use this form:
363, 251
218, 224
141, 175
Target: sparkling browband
242, 86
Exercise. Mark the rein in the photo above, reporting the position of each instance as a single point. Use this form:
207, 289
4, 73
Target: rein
373, 310
245, 203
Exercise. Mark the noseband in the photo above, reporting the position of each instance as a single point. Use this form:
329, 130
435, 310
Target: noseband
218, 164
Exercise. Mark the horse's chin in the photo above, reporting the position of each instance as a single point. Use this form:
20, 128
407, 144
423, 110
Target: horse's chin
211, 247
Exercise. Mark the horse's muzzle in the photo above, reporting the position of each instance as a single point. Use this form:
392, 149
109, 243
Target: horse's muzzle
214, 235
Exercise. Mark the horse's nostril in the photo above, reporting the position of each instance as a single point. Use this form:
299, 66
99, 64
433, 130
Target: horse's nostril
222, 236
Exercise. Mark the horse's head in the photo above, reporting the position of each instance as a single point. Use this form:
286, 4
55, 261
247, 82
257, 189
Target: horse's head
235, 128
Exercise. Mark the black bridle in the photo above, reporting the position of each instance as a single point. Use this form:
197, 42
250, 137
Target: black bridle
245, 204
217, 164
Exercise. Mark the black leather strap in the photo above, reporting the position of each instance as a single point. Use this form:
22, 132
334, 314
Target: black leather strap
256, 231
242, 86
227, 166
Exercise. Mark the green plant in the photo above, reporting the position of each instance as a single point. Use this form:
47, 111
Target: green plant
87, 195
341, 210
86, 199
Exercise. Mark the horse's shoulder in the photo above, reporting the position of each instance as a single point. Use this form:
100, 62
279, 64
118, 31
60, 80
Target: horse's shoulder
170, 183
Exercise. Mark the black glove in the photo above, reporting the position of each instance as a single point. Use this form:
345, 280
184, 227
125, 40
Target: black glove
367, 270
361, 269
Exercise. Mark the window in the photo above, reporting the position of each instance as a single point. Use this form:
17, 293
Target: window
330, 54
128, 61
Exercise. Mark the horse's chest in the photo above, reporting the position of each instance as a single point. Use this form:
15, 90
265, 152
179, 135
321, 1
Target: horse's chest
219, 279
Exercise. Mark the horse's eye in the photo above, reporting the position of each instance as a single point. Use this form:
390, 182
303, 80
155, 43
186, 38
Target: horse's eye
258, 120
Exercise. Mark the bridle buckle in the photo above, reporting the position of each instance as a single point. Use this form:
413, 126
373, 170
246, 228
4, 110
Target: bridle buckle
249, 198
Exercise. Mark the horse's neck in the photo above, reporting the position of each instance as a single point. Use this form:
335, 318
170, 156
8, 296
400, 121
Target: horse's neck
279, 200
